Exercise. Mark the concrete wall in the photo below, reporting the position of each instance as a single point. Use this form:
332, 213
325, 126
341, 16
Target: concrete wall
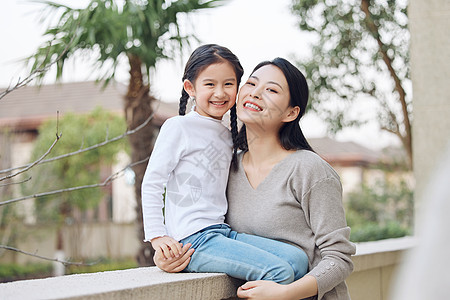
430, 73
80, 241
375, 265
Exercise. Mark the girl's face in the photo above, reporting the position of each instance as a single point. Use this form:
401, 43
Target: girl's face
214, 90
264, 99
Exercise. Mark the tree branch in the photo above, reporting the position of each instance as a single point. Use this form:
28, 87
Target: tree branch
34, 163
42, 69
71, 189
373, 29
47, 258
18, 182
127, 133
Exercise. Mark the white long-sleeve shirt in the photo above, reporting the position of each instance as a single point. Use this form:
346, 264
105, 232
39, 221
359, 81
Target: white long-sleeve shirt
191, 158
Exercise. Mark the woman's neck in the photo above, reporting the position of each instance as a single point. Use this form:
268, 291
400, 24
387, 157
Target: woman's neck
264, 148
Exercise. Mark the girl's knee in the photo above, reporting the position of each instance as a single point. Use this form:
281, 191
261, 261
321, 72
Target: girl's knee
281, 273
300, 264
289, 277
297, 255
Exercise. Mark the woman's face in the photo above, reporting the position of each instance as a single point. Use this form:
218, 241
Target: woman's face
264, 99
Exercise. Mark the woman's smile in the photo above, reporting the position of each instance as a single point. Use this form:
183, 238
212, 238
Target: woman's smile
252, 106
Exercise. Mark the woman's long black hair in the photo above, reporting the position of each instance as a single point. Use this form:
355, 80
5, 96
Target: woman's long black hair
200, 59
290, 134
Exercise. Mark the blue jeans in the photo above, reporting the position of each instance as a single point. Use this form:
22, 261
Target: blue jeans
245, 256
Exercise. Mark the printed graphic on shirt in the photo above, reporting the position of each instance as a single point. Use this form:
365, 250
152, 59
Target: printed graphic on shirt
185, 190
212, 161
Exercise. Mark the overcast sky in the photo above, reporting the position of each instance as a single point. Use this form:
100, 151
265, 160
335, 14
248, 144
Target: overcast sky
255, 30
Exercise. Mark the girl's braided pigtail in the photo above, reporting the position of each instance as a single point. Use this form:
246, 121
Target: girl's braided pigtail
183, 102
234, 135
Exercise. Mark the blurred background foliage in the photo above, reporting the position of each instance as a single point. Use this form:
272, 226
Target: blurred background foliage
78, 132
359, 60
13, 272
379, 211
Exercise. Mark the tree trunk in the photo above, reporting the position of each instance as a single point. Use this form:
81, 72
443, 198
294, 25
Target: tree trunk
137, 109
406, 136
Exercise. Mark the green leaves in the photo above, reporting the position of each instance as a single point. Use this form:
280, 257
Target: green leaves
380, 211
78, 132
360, 55
147, 29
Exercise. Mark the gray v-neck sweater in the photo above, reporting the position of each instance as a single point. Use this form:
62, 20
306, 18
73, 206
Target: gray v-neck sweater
299, 202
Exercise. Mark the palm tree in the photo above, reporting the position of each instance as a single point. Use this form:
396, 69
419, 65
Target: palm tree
142, 32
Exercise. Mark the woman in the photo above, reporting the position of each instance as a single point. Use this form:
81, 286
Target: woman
282, 190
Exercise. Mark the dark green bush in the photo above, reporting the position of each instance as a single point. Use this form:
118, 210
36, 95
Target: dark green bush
12, 272
374, 232
381, 211
103, 265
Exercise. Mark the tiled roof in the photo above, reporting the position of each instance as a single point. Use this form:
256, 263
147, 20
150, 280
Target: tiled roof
29, 106
336, 152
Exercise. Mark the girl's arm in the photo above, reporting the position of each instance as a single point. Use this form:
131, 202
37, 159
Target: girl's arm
167, 152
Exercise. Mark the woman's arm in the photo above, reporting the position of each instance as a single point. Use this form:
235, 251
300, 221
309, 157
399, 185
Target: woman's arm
323, 205
265, 290
173, 264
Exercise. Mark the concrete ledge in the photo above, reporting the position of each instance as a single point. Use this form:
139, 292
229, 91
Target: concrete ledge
371, 255
139, 283
375, 265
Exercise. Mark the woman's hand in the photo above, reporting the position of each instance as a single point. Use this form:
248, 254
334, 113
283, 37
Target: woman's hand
173, 264
262, 290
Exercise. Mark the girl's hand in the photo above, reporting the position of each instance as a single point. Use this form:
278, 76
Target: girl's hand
170, 248
262, 290
173, 265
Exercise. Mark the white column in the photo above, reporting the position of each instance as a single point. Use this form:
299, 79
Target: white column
430, 72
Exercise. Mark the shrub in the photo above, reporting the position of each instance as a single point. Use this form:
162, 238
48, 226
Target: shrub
381, 211
374, 232
13, 272
102, 266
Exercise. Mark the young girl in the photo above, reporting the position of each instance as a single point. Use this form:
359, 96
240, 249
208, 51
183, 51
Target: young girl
191, 158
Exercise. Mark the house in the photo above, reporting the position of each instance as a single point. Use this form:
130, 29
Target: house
354, 163
24, 110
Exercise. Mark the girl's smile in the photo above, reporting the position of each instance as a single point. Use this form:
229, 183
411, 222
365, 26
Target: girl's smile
214, 89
